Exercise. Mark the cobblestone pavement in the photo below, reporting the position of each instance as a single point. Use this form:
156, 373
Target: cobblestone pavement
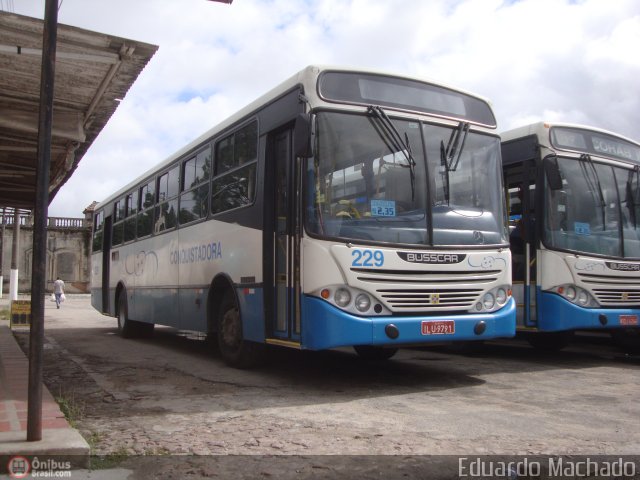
171, 395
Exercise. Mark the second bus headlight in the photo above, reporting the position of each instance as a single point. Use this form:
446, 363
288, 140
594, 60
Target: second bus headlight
363, 302
576, 295
342, 297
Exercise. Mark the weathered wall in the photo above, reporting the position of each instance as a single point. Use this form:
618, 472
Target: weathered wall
68, 255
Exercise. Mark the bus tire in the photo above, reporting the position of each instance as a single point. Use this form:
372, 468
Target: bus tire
128, 328
373, 352
549, 341
125, 327
234, 349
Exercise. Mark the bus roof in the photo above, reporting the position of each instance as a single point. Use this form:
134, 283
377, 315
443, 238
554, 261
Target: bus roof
542, 129
303, 77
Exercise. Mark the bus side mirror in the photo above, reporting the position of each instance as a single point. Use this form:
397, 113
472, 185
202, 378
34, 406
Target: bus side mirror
304, 135
552, 171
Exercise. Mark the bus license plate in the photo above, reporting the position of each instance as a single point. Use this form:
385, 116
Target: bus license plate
441, 327
628, 320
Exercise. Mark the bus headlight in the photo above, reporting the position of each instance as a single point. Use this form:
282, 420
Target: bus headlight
501, 296
576, 295
342, 297
583, 298
488, 301
363, 302
494, 299
352, 300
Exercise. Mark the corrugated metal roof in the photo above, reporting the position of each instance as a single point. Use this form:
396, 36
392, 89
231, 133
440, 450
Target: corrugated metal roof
93, 72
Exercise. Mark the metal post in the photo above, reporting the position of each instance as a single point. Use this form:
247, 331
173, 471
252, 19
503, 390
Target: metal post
39, 270
15, 249
2, 253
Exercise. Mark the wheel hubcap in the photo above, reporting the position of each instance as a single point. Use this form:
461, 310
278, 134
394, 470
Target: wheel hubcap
230, 327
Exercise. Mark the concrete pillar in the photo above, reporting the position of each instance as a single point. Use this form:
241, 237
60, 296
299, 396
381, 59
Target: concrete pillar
13, 279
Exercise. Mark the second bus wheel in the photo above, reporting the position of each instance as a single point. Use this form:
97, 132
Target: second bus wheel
234, 349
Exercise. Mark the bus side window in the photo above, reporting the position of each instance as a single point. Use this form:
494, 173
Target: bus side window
166, 216
146, 201
235, 170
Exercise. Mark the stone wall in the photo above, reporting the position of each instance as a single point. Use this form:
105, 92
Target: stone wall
68, 253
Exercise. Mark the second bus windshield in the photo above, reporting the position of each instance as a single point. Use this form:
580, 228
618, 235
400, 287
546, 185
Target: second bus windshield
595, 210
370, 183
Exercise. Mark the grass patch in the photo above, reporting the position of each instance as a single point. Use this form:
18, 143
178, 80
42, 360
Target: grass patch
112, 460
72, 409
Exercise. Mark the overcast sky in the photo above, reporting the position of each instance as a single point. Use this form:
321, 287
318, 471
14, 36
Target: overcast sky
560, 60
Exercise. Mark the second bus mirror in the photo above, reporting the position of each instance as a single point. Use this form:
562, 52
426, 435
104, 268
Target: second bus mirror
552, 171
303, 135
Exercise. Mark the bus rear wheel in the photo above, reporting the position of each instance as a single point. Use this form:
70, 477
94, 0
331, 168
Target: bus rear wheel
234, 349
372, 352
128, 328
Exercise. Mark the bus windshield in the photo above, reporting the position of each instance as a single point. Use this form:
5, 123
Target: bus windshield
592, 208
389, 180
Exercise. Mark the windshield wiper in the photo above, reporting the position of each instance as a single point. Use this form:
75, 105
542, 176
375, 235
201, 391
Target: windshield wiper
448, 159
457, 136
445, 174
391, 134
632, 194
585, 159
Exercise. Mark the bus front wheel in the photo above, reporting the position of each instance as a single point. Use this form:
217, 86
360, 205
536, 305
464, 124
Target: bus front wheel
234, 349
372, 352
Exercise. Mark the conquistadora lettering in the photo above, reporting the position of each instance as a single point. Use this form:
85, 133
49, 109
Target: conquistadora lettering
198, 253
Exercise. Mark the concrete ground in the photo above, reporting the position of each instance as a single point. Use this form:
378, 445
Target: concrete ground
168, 406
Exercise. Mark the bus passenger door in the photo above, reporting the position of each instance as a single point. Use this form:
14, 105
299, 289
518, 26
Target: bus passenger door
106, 263
281, 241
519, 180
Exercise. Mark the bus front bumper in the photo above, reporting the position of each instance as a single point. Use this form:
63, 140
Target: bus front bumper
557, 314
326, 326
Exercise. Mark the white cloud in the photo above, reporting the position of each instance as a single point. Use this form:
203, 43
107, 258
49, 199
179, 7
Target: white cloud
565, 60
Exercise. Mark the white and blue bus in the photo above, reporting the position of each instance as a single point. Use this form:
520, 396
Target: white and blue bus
342, 208
574, 204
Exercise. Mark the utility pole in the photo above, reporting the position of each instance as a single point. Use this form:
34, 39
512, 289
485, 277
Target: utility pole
39, 270
15, 251
4, 211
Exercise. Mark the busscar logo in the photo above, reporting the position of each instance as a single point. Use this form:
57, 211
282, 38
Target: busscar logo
431, 257
624, 267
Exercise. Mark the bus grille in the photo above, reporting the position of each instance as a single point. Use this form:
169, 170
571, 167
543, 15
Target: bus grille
608, 297
614, 291
432, 291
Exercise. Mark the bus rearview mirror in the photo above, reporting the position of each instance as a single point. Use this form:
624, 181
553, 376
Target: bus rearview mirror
303, 134
552, 171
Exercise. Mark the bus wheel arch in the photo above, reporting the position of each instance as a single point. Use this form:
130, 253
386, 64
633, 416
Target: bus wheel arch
128, 328
219, 286
224, 318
